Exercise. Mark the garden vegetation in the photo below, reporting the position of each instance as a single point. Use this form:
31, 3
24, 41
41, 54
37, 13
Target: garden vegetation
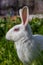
8, 55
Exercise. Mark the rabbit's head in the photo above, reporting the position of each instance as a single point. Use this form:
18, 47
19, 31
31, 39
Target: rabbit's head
18, 31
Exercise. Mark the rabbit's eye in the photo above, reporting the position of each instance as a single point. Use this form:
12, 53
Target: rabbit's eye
16, 29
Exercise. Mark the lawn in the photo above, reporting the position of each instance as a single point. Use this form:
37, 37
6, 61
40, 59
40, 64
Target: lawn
8, 55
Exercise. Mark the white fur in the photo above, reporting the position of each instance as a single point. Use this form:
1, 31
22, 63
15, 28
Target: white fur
28, 46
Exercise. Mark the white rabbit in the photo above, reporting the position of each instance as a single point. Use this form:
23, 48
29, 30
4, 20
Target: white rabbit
28, 46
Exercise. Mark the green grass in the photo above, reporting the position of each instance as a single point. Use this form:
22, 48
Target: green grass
8, 55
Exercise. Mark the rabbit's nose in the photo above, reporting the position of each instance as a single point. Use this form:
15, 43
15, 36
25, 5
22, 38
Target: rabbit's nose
7, 37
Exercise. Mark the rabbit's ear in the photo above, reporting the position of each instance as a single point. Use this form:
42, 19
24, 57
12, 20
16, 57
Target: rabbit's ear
24, 13
20, 12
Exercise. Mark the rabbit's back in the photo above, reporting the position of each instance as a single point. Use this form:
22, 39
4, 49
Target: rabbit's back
39, 40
